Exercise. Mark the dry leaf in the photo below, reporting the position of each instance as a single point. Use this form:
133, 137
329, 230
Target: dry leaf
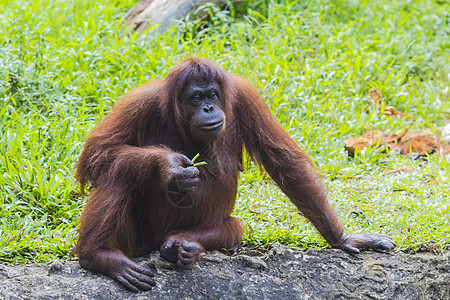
406, 116
419, 143
372, 138
373, 135
375, 96
253, 209
434, 180
405, 169
356, 143
389, 111
391, 140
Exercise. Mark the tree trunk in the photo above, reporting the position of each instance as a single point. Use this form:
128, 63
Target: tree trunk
162, 12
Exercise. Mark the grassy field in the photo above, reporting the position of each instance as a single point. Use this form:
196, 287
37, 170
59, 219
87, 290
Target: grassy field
64, 63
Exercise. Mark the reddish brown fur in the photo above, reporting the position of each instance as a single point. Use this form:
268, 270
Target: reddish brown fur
125, 160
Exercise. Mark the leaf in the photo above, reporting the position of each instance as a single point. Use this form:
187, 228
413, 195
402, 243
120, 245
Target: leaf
253, 209
419, 143
405, 169
353, 144
422, 144
375, 96
389, 111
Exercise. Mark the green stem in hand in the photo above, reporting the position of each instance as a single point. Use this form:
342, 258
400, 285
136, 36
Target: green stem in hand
202, 163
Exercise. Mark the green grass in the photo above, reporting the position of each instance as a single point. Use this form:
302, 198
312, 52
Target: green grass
64, 63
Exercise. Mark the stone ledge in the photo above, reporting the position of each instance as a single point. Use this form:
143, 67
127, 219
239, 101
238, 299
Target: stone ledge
281, 274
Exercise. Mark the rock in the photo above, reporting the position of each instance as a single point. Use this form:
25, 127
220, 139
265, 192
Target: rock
162, 12
250, 261
215, 256
280, 252
281, 274
55, 266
